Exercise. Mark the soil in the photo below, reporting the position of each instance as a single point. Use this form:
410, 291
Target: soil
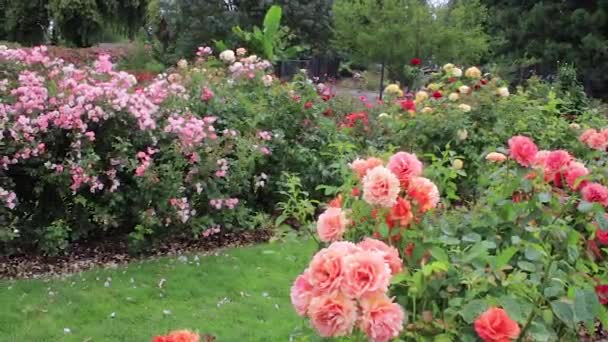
84, 256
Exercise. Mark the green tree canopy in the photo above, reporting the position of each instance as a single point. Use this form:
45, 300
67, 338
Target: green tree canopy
394, 31
536, 36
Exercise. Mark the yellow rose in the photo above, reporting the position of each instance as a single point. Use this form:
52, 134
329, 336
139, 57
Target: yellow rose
421, 96
454, 97
457, 164
465, 108
574, 125
464, 89
463, 134
393, 89
473, 73
433, 86
456, 72
427, 110
503, 92
448, 67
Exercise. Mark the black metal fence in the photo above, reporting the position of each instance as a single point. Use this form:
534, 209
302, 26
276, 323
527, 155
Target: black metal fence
319, 68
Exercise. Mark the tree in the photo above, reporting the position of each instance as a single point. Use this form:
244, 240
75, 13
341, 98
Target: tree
310, 21
25, 22
82, 22
392, 32
535, 37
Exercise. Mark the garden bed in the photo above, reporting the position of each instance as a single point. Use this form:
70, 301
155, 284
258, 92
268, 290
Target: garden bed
85, 255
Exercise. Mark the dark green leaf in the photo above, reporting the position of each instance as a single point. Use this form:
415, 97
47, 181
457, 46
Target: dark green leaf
473, 309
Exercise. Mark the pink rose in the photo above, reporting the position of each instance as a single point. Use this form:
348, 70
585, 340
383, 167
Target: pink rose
326, 269
390, 254
405, 166
301, 293
381, 319
332, 224
574, 172
596, 193
361, 166
381, 187
540, 158
587, 134
424, 192
333, 315
365, 272
523, 150
496, 157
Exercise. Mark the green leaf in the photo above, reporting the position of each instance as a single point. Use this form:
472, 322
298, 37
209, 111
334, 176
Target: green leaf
564, 311
504, 257
585, 207
473, 309
586, 305
518, 309
471, 237
399, 277
533, 252
477, 251
526, 266
383, 230
539, 332
600, 218
439, 254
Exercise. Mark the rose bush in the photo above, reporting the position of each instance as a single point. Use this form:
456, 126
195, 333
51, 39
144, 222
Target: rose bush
88, 152
523, 262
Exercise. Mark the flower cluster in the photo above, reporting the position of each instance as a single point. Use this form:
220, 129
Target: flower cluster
345, 286
597, 140
178, 336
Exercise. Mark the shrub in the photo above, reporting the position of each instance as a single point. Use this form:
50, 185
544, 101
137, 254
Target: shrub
528, 253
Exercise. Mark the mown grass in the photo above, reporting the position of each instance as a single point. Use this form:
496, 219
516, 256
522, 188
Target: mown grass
238, 294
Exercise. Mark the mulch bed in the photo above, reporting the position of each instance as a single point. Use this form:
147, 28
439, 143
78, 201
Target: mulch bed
84, 256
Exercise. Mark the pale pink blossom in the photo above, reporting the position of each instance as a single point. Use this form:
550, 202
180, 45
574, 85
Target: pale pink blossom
380, 187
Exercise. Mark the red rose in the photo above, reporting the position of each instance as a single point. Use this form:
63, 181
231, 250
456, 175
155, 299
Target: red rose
409, 249
495, 325
328, 112
415, 61
355, 192
484, 82
602, 236
602, 293
408, 105
437, 95
308, 105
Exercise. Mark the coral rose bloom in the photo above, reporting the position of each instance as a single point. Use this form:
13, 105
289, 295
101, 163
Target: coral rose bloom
595, 193
380, 187
381, 320
178, 336
401, 214
361, 166
326, 269
301, 293
424, 192
333, 315
332, 224
365, 272
496, 157
390, 254
523, 150
405, 166
494, 325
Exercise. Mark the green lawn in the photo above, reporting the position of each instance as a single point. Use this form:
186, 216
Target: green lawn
237, 295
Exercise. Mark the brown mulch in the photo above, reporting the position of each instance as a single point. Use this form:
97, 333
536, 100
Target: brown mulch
599, 335
84, 256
